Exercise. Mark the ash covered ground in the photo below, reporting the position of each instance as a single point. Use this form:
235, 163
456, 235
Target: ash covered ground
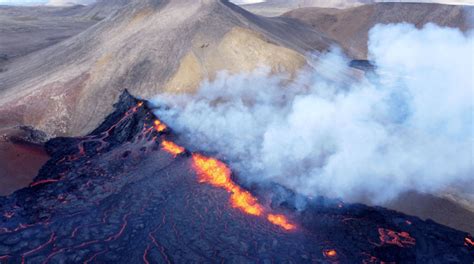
122, 195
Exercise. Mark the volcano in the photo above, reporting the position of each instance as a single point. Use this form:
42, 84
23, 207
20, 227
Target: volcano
129, 193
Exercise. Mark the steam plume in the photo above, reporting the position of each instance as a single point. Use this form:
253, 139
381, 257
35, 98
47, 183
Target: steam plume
408, 127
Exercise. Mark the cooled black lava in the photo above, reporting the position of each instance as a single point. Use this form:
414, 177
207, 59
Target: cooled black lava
115, 196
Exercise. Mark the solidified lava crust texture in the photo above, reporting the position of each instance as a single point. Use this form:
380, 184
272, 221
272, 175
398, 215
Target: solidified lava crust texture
127, 193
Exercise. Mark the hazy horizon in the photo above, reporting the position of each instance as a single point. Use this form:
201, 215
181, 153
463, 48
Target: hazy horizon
68, 2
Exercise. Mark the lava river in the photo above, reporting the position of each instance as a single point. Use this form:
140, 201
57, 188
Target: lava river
129, 193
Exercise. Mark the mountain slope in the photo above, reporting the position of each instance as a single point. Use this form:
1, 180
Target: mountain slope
279, 7
350, 27
27, 29
149, 46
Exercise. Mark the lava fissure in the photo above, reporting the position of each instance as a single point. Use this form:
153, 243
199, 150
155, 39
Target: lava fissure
217, 173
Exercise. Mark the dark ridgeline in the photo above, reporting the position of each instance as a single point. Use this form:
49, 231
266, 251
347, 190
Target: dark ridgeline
115, 196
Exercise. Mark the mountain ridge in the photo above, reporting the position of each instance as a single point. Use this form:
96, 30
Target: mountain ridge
142, 47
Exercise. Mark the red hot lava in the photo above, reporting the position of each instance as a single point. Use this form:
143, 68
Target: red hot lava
280, 220
330, 253
401, 239
217, 173
159, 126
171, 148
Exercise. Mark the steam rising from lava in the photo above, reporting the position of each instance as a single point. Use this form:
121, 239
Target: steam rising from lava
409, 126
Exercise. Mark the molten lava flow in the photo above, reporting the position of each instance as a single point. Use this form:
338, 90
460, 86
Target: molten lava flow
217, 173
330, 253
159, 126
212, 171
400, 239
280, 220
171, 147
245, 201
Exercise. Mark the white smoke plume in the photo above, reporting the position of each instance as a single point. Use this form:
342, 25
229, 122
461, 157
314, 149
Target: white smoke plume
410, 126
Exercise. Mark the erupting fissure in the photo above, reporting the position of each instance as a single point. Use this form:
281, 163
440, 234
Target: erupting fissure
171, 147
280, 220
218, 174
159, 126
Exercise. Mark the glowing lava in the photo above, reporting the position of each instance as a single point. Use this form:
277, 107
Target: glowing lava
280, 220
172, 148
330, 253
400, 239
216, 173
159, 126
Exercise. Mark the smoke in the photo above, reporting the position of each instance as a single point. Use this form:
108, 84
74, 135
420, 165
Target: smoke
409, 126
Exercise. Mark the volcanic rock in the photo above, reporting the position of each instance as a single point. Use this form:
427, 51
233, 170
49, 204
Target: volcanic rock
116, 196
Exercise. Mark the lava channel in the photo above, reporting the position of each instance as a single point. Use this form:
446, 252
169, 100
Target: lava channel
171, 148
216, 173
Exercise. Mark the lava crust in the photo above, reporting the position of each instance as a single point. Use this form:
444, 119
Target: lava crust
126, 193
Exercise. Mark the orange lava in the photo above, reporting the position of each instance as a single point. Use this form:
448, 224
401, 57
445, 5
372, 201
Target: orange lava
171, 147
330, 253
280, 220
401, 239
159, 126
216, 173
